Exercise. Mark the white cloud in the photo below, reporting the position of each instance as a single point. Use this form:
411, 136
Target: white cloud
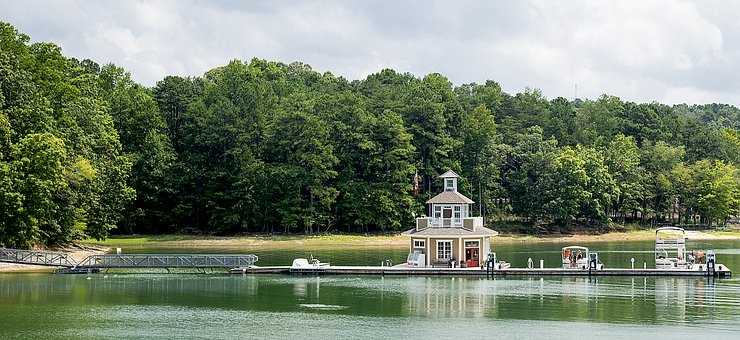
669, 51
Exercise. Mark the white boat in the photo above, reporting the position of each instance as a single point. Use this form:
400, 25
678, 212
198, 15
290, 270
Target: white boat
301, 263
670, 248
671, 253
577, 257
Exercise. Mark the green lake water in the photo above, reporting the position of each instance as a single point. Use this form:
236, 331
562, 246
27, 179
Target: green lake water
217, 306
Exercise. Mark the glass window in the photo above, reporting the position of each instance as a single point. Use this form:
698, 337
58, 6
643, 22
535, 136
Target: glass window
471, 244
418, 243
444, 250
449, 184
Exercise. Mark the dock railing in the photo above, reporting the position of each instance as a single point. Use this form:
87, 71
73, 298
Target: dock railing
36, 257
469, 223
59, 259
168, 261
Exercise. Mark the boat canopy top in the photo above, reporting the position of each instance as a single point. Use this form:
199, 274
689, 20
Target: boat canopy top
576, 248
669, 237
670, 229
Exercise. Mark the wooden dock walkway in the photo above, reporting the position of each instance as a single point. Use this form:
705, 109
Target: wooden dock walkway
407, 271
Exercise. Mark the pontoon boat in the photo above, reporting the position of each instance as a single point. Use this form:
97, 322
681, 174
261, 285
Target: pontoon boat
577, 257
670, 248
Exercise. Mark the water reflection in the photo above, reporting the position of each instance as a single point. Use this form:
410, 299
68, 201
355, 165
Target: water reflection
663, 301
674, 296
447, 297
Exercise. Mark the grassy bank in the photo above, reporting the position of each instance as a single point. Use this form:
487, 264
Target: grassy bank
333, 241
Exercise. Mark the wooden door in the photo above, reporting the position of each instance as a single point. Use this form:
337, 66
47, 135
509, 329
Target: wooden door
471, 257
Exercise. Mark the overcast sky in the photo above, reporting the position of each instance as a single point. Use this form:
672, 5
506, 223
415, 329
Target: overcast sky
669, 51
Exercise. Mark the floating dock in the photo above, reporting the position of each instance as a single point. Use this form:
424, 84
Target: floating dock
244, 264
722, 272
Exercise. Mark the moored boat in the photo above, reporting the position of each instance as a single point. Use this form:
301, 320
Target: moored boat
577, 257
670, 248
312, 263
671, 253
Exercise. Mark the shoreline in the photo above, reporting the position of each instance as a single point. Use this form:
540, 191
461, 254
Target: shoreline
328, 241
397, 240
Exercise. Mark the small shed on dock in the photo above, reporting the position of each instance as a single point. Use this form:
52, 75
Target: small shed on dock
449, 234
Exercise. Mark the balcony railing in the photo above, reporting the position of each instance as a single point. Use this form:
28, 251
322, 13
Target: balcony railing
469, 223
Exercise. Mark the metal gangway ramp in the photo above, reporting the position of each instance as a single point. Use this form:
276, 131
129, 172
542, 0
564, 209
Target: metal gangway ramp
110, 261
227, 261
36, 257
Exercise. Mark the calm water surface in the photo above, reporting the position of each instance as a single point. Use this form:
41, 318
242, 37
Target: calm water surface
135, 306
612, 254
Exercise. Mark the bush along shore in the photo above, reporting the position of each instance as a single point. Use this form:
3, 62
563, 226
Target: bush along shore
264, 146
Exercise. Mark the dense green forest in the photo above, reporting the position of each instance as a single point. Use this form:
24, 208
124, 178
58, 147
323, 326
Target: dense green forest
268, 147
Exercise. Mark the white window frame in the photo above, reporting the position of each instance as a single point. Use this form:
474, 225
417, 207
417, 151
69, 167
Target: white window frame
457, 215
437, 211
439, 242
419, 244
449, 184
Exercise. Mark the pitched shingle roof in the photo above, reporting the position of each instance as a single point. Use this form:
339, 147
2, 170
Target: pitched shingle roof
449, 174
453, 197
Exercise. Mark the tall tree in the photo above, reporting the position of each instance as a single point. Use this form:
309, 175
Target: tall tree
658, 159
481, 156
142, 132
62, 163
622, 157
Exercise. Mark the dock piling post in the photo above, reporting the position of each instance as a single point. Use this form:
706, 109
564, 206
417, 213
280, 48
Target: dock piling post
632, 260
542, 264
644, 265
